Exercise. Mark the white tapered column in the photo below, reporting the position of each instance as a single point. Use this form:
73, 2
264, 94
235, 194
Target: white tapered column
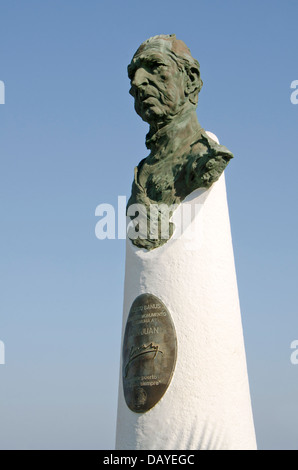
207, 404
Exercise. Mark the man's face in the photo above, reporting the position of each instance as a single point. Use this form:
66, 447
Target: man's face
157, 84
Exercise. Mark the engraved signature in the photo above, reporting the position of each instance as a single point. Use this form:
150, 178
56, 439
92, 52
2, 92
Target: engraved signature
137, 352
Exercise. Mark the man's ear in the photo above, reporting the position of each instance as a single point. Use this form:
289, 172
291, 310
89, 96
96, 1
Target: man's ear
193, 85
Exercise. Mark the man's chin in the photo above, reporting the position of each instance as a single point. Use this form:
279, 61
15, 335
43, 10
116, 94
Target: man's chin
152, 114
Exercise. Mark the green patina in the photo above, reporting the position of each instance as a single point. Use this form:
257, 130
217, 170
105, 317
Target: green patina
165, 83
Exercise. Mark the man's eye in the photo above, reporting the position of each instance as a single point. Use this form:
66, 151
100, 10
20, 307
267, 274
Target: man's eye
157, 67
154, 65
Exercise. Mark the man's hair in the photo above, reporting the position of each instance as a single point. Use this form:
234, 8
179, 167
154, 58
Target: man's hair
180, 53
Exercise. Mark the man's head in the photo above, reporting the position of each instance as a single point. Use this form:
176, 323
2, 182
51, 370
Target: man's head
165, 79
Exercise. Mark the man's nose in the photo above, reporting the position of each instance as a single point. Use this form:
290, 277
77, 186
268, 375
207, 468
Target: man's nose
140, 78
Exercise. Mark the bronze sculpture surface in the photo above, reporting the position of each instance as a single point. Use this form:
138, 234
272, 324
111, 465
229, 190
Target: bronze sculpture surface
165, 83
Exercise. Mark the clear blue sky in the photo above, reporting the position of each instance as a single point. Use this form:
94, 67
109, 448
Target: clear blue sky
69, 140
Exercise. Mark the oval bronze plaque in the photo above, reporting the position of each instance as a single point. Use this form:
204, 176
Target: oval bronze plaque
149, 353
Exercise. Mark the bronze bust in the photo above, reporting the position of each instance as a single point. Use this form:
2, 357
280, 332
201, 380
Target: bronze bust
165, 83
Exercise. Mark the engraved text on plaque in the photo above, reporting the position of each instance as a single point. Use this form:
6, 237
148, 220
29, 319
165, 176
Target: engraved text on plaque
149, 353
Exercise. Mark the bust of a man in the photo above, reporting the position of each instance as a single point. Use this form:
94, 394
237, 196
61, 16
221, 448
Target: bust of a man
165, 83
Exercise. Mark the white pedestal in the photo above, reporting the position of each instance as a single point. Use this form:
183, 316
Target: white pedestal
207, 404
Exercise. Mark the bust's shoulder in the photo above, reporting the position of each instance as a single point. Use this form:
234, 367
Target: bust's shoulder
206, 143
205, 162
